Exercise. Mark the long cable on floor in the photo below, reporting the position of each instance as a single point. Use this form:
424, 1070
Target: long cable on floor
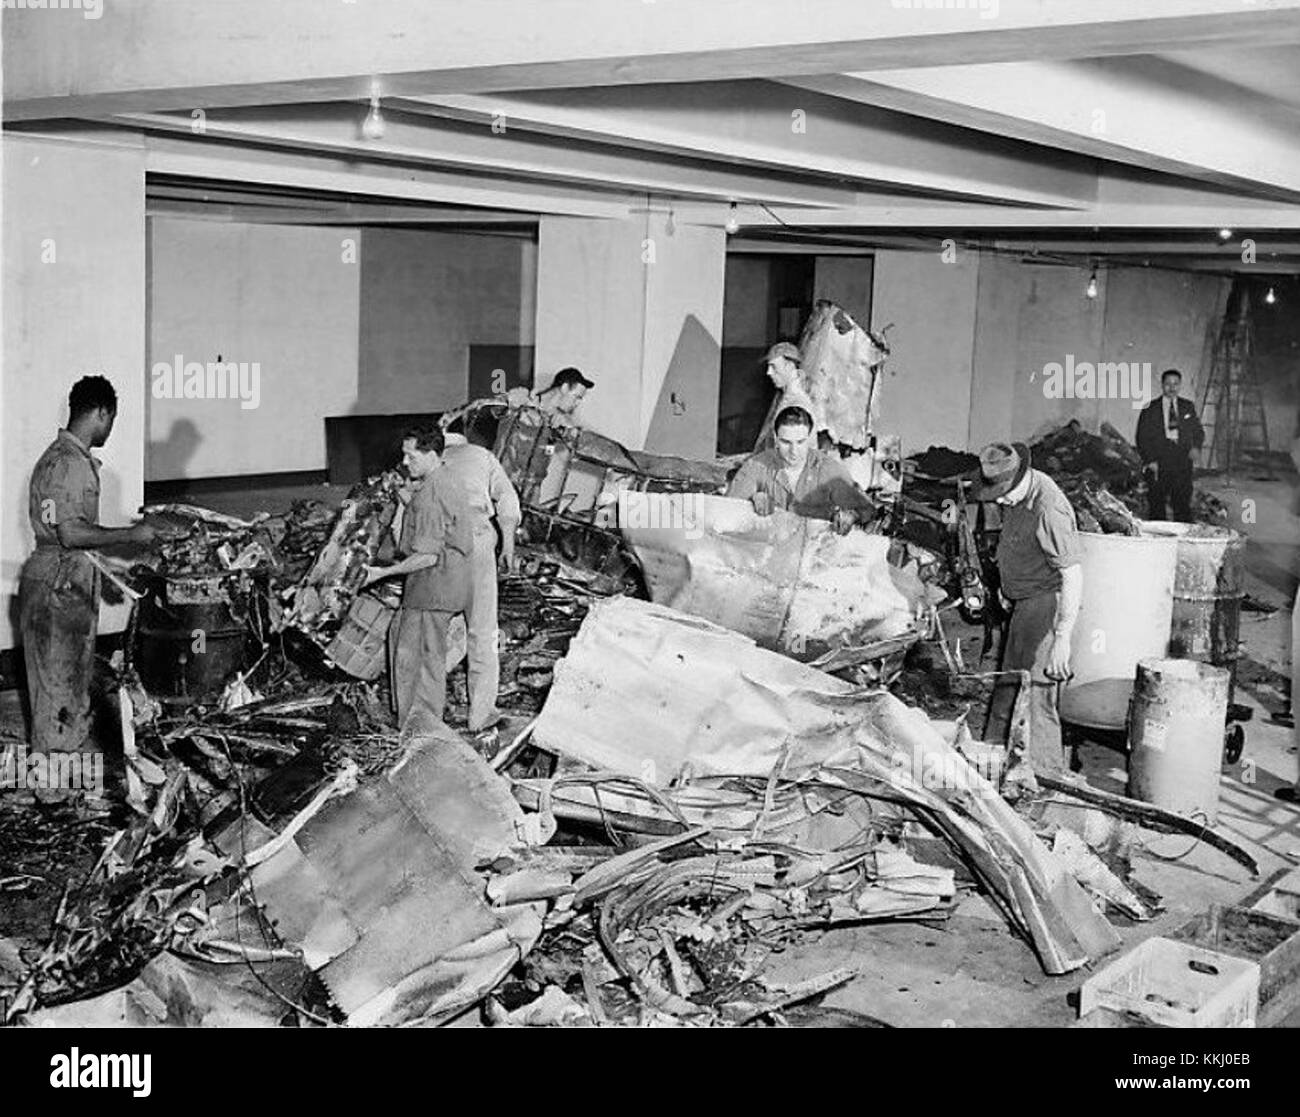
1196, 841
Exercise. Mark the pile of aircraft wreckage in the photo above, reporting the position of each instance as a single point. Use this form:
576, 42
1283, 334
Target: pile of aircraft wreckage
688, 782
684, 803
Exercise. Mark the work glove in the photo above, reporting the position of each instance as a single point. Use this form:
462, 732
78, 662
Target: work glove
762, 503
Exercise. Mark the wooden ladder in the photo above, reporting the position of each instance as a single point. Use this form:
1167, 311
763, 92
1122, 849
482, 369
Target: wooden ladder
1232, 405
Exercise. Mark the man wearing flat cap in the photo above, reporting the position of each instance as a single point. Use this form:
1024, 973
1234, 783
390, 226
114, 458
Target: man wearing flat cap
1042, 579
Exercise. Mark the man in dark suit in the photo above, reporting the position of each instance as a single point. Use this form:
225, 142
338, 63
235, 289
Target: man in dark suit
1168, 434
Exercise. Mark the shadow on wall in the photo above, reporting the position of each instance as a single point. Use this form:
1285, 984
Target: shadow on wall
13, 572
685, 419
744, 398
14, 674
170, 457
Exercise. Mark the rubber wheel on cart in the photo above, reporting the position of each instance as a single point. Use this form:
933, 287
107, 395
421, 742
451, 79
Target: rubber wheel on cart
1234, 743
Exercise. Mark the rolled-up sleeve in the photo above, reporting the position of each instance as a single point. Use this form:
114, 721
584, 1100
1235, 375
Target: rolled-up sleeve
64, 490
1058, 536
504, 498
73, 488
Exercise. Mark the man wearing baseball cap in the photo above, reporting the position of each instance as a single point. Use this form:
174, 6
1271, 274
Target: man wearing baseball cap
560, 401
1042, 580
783, 364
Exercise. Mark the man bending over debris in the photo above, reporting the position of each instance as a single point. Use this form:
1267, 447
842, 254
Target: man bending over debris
800, 478
1039, 561
489, 493
560, 401
436, 542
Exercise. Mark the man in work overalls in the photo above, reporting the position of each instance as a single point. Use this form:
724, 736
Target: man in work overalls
59, 589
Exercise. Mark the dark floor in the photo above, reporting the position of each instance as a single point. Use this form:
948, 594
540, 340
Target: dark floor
970, 971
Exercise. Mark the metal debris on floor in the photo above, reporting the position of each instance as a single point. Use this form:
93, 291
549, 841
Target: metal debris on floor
674, 802
1102, 476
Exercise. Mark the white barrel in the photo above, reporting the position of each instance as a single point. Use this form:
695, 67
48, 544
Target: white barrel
1176, 736
1128, 600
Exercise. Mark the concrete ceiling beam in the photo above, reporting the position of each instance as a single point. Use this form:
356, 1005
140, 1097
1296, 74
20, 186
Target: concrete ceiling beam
181, 54
768, 126
1151, 113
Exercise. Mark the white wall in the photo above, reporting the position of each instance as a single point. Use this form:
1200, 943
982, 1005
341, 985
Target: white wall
993, 372
973, 337
925, 394
426, 297
1186, 304
285, 297
74, 303
1055, 321
640, 312
682, 363
341, 322
591, 313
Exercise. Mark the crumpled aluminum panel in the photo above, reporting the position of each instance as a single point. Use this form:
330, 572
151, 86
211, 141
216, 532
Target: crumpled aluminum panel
388, 906
653, 693
841, 367
789, 583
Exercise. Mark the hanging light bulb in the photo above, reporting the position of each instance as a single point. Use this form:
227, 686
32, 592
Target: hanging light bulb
1091, 289
372, 128
733, 222
1270, 298
1225, 233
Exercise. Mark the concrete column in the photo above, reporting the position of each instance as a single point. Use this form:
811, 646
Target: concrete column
74, 303
639, 310
930, 300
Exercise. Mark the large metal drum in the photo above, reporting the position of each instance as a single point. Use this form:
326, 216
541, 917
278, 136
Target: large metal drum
1176, 736
1128, 599
1209, 579
188, 642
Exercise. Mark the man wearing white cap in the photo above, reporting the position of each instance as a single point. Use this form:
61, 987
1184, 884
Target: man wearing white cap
1039, 563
